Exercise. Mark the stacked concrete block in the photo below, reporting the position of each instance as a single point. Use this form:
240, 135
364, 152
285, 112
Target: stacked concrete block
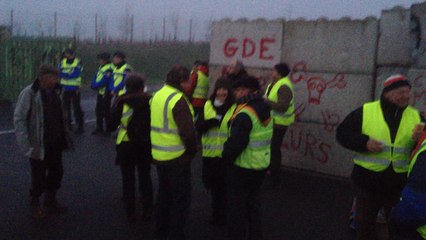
312, 147
418, 90
394, 38
418, 35
256, 43
345, 45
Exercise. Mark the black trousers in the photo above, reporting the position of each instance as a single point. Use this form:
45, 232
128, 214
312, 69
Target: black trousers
244, 203
277, 139
103, 110
368, 204
214, 179
73, 98
132, 161
173, 201
46, 174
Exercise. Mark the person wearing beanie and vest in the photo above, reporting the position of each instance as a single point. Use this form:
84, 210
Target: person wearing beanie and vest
120, 69
70, 74
381, 135
212, 123
174, 145
41, 133
131, 114
101, 83
199, 87
408, 217
280, 97
247, 153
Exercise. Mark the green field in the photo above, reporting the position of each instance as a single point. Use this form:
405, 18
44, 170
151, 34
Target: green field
153, 61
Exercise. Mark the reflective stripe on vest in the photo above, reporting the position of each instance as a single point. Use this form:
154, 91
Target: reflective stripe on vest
397, 153
202, 88
272, 94
258, 152
166, 142
69, 68
100, 75
118, 77
213, 140
124, 122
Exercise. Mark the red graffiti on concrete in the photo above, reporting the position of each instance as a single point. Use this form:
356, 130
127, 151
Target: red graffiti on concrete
309, 145
331, 120
247, 48
316, 85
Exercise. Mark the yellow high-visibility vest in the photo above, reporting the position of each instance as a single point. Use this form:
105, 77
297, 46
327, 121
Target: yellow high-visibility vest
69, 68
166, 142
124, 122
118, 76
398, 152
202, 88
100, 75
213, 140
257, 154
272, 94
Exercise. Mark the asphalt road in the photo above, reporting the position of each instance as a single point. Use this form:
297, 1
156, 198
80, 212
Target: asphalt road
305, 206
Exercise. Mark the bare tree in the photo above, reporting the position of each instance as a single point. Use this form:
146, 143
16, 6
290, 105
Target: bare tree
208, 28
77, 30
175, 24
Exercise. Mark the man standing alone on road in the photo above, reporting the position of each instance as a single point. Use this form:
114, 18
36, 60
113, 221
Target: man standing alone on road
174, 145
42, 135
381, 133
70, 74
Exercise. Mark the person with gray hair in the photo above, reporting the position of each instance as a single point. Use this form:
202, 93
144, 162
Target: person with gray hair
41, 132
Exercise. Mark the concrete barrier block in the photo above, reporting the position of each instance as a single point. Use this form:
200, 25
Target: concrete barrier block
326, 98
255, 43
309, 146
332, 46
418, 35
394, 38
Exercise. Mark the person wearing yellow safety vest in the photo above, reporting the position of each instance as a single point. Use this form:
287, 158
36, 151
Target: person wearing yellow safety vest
212, 123
408, 217
174, 145
199, 86
120, 69
247, 152
131, 114
101, 83
70, 79
380, 134
280, 96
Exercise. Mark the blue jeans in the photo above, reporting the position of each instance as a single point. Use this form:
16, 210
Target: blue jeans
173, 201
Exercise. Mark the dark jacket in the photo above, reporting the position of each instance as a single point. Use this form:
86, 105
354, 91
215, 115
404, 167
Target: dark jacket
241, 126
349, 135
417, 179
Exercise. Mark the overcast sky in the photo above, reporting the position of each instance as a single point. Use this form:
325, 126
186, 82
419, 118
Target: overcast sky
35, 16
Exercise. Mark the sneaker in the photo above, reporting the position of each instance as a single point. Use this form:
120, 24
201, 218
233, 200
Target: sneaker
97, 131
55, 208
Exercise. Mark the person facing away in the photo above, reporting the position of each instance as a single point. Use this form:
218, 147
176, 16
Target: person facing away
174, 145
212, 123
408, 217
41, 133
120, 69
247, 153
279, 95
380, 134
70, 73
131, 114
101, 83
